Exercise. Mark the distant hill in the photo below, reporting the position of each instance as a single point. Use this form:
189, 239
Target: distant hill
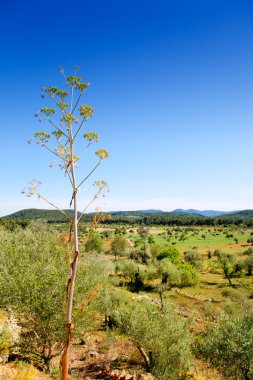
137, 213
239, 214
150, 213
35, 214
150, 216
54, 215
210, 213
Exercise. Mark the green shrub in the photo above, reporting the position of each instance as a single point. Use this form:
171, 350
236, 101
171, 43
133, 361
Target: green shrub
94, 243
194, 258
33, 271
119, 247
110, 299
127, 269
170, 253
248, 251
227, 261
5, 340
169, 273
160, 336
228, 345
188, 275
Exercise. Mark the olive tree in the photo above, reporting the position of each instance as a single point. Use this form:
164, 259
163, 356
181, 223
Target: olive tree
94, 243
160, 336
194, 258
227, 261
33, 271
228, 345
119, 246
169, 272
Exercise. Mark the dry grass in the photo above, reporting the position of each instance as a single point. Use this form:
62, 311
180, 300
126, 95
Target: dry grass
20, 371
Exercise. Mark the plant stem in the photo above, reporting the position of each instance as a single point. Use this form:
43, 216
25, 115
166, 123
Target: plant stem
80, 184
79, 97
51, 204
74, 264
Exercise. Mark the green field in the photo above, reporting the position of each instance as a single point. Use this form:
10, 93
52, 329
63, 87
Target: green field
203, 238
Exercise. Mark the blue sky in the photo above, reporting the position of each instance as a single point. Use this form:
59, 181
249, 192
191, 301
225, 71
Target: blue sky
172, 88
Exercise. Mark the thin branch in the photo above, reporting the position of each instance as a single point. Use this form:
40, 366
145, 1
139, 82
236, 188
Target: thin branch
82, 151
55, 126
62, 73
143, 354
63, 111
71, 99
66, 172
80, 127
95, 222
51, 151
80, 184
72, 198
79, 97
51, 204
88, 205
62, 158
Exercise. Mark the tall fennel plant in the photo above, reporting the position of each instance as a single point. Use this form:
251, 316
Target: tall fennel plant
67, 119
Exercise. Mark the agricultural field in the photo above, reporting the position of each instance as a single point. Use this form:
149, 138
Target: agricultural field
232, 239
188, 278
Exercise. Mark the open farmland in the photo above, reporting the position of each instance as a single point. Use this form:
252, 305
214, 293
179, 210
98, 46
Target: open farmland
202, 238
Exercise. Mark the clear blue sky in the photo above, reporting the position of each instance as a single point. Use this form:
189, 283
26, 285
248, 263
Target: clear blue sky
172, 88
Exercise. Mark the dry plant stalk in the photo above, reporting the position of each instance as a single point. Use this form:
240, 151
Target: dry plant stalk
61, 140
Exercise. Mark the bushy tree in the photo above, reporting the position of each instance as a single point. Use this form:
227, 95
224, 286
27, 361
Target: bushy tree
132, 272
227, 261
106, 234
33, 270
194, 258
169, 253
145, 246
94, 243
127, 269
248, 265
109, 300
188, 275
169, 273
228, 345
248, 251
160, 336
119, 247
155, 250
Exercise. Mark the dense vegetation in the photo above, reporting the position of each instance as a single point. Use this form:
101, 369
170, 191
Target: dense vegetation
173, 296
